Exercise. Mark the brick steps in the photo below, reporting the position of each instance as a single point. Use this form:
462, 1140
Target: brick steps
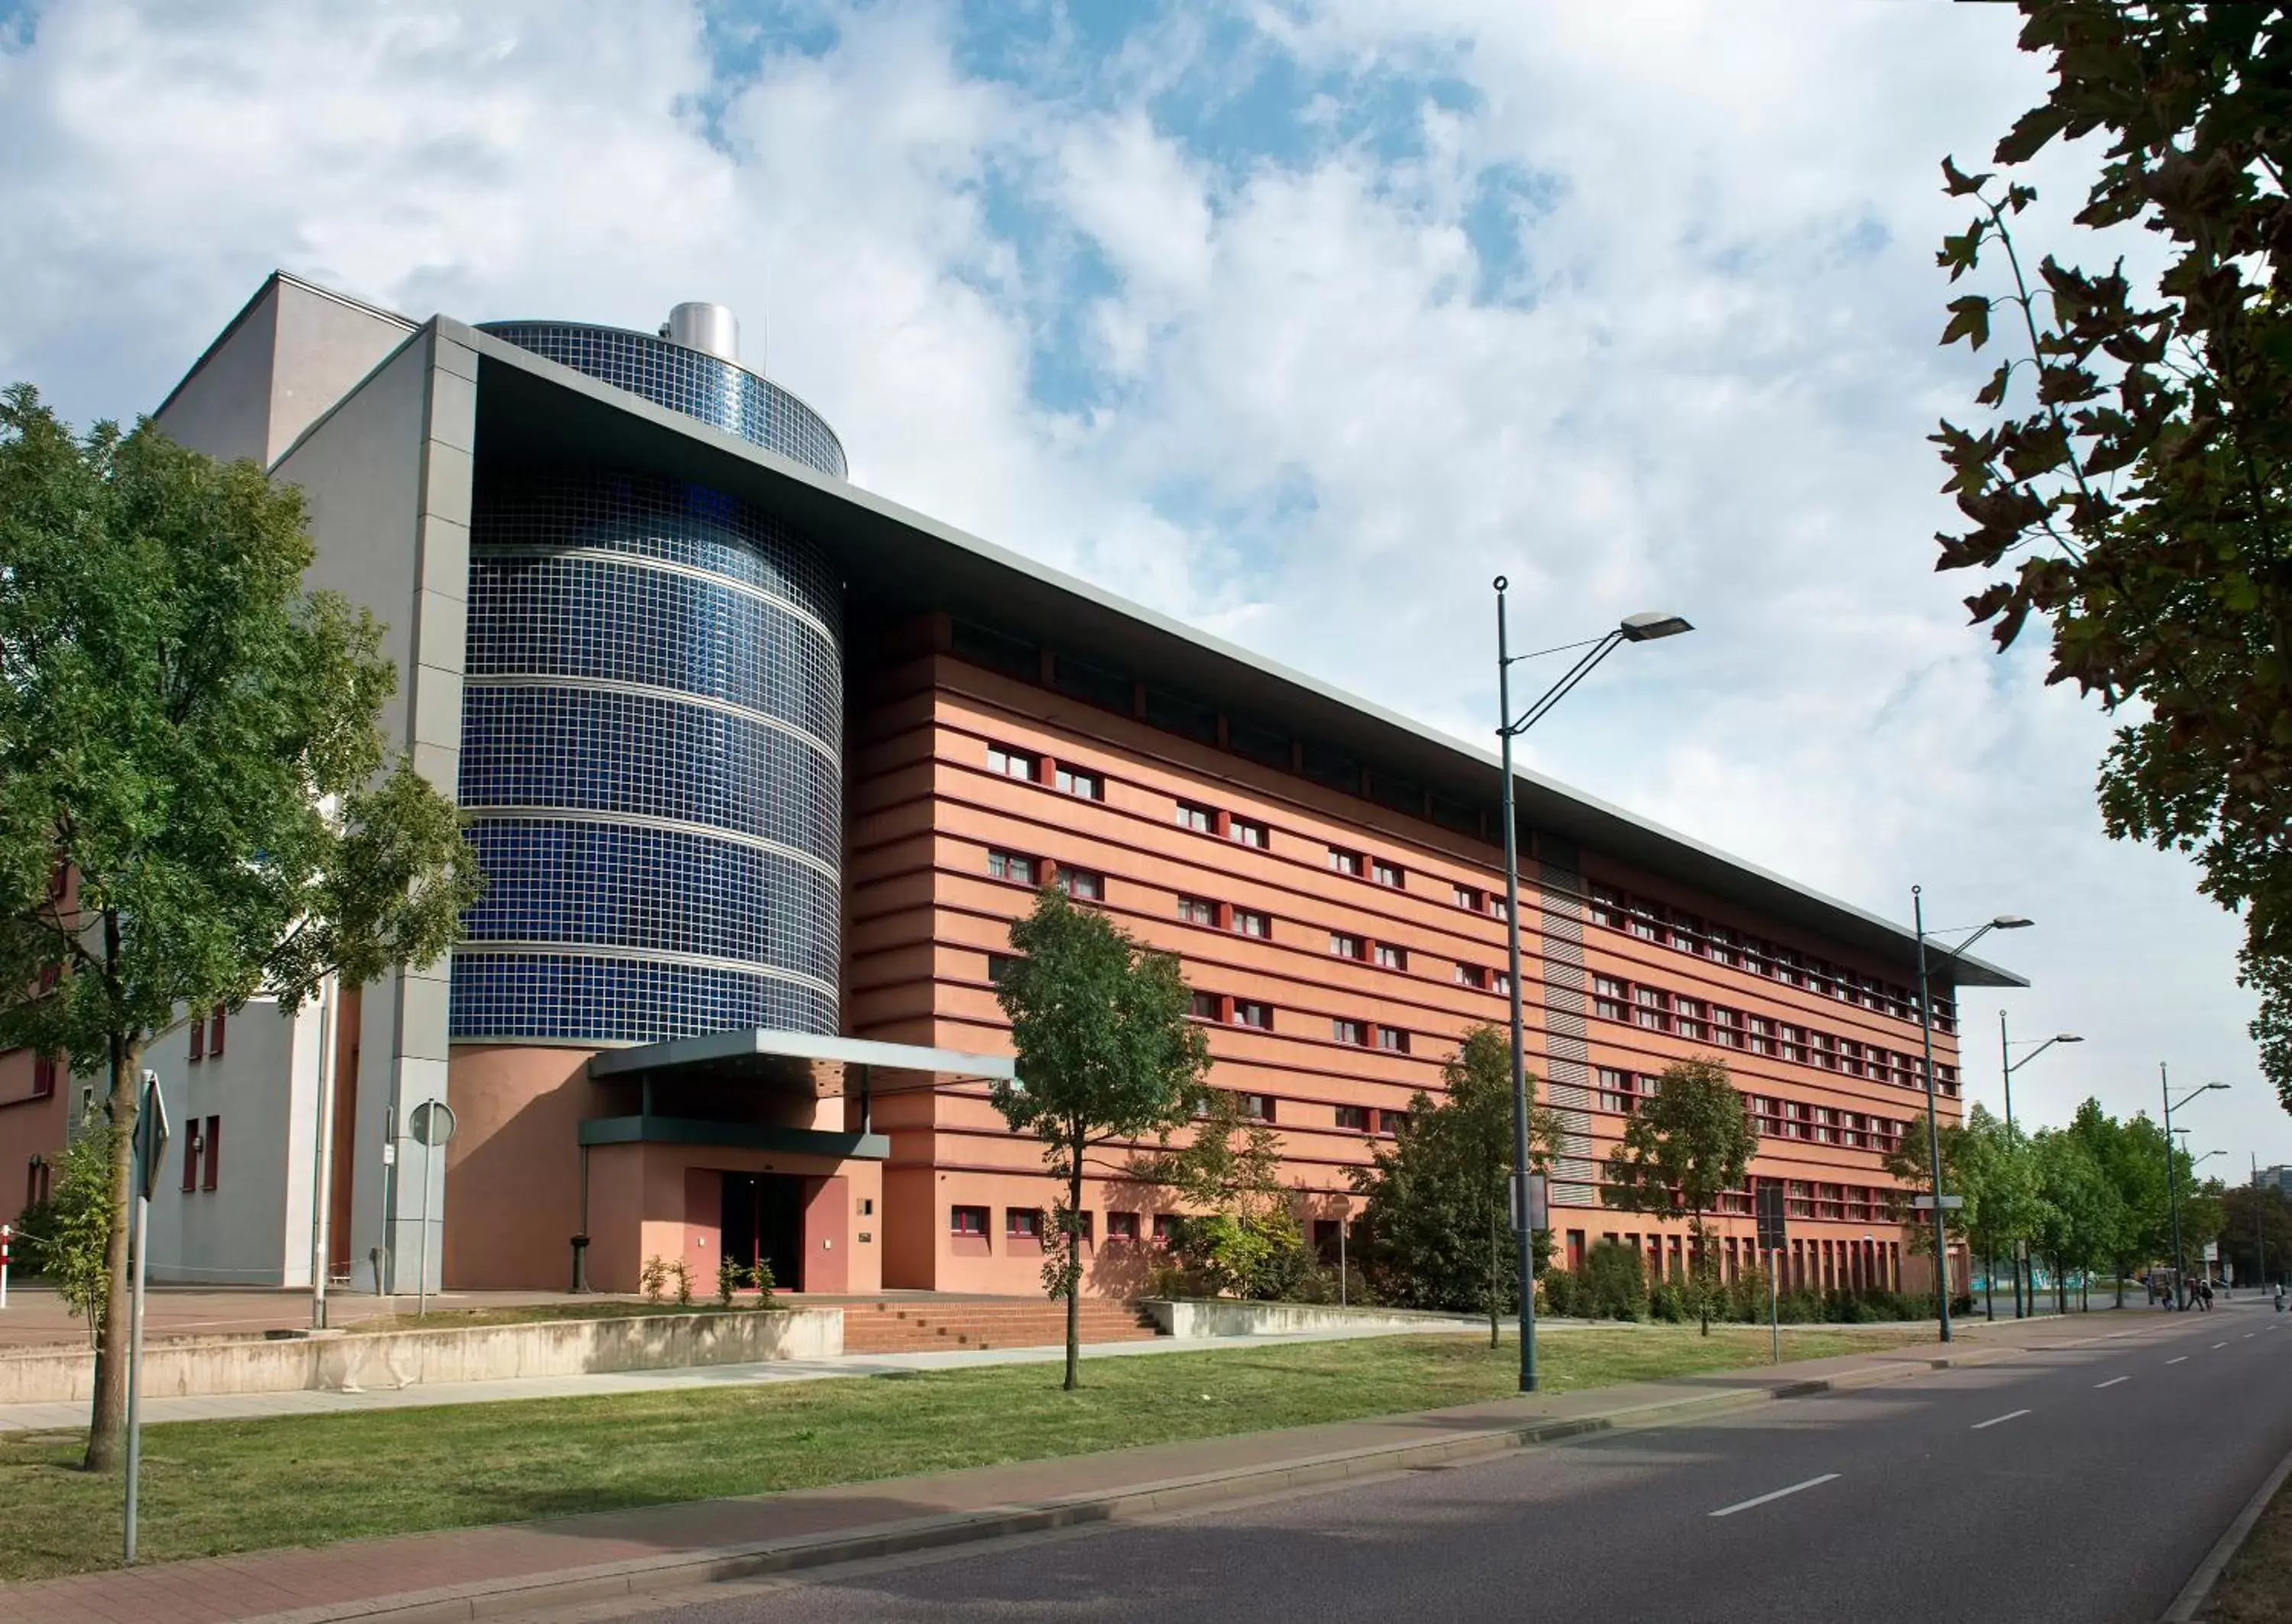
908, 1328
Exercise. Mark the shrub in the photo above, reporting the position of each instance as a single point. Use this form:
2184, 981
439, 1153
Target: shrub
730, 1277
761, 1277
1667, 1301
34, 1224
681, 1272
1615, 1282
1561, 1292
1747, 1296
653, 1277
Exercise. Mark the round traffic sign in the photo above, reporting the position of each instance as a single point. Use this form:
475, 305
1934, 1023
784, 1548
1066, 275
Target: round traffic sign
431, 1122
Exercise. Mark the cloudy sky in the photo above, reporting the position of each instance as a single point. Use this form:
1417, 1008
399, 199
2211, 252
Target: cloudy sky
1296, 318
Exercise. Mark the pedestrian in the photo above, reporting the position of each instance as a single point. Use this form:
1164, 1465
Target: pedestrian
2205, 1294
2279, 1297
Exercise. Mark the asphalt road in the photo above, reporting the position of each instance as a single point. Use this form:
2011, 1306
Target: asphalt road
2076, 1484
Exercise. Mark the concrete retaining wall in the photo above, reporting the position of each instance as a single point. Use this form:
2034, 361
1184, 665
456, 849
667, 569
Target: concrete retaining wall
1221, 1317
404, 1358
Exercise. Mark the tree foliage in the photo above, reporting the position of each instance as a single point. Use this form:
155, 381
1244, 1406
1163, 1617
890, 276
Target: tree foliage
1687, 1145
1106, 1052
189, 739
2134, 470
1438, 1214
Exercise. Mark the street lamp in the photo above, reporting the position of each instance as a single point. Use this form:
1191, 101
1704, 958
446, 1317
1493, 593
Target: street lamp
2173, 1177
1974, 932
2005, 1055
1644, 628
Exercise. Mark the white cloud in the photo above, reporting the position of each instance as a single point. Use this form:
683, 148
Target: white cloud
1706, 387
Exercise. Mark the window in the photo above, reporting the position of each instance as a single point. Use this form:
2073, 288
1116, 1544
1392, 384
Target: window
1344, 1031
1393, 1038
1387, 874
1391, 958
1618, 1091
191, 1157
1082, 885
1473, 977
1346, 946
999, 966
1089, 786
1466, 897
215, 1034
1608, 996
213, 1148
1255, 1107
1850, 1057
43, 1077
1167, 1225
1763, 1035
1197, 911
1345, 862
1607, 906
1023, 1223
1353, 1119
38, 1179
1201, 820
1246, 833
966, 1220
1689, 1012
1648, 926
1649, 1010
1392, 1123
1122, 1226
1013, 763
198, 1039
1727, 1027
1248, 921
1009, 866
1249, 1012
1206, 1006
1722, 945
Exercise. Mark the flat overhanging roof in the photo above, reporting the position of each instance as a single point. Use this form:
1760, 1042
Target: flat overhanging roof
899, 562
799, 1061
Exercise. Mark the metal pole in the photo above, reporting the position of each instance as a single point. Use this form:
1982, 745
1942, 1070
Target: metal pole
2173, 1188
422, 1239
1934, 1122
1524, 1235
1341, 1253
2259, 1237
322, 1183
2005, 1058
1775, 1303
136, 1361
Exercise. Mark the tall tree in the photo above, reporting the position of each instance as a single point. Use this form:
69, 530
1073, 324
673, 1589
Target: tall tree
1996, 1172
2080, 1209
190, 739
2135, 467
1106, 1052
2258, 1236
2131, 1156
1439, 1213
1687, 1145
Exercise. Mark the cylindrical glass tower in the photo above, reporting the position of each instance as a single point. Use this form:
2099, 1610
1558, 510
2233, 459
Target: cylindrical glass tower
652, 734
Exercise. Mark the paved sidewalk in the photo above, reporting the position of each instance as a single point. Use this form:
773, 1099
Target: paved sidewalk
466, 1573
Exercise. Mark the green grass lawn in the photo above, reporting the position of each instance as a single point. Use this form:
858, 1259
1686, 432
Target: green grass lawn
212, 1487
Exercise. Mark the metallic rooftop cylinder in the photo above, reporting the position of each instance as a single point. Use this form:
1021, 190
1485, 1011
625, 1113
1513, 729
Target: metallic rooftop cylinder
712, 329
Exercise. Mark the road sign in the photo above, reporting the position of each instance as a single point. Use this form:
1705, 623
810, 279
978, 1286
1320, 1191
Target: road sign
1528, 1193
151, 1136
1772, 1238
432, 1123
2212, 1252
1949, 1203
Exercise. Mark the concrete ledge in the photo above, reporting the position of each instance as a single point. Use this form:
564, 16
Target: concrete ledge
1195, 1317
458, 1604
407, 1358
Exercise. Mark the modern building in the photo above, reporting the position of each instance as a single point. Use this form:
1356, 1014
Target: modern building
762, 765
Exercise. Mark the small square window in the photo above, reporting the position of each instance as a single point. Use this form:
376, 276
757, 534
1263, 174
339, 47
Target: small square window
1089, 786
1256, 1107
1023, 1223
1167, 1225
1393, 1122
1353, 1119
1082, 885
1468, 896
1343, 1031
1010, 865
1345, 862
1393, 1040
1246, 833
1201, 820
1205, 1007
1472, 976
1121, 1226
1248, 921
1347, 946
999, 966
966, 1220
1249, 1012
1387, 874
1013, 763
1391, 958
1197, 911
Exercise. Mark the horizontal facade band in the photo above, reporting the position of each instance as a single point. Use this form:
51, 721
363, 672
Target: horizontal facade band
646, 690
668, 567
495, 948
541, 813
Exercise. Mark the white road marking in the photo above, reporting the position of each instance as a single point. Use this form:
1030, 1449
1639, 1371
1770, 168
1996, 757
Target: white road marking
2183, 1359
2218, 1346
1993, 1420
2249, 1335
2112, 1382
1811, 1482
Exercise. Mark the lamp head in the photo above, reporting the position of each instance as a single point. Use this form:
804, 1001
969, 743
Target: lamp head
2067, 1037
2011, 922
1651, 624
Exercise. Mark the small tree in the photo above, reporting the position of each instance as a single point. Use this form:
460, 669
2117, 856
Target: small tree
1439, 1215
2081, 1209
1242, 1235
1689, 1144
190, 739
1106, 1052
72, 1252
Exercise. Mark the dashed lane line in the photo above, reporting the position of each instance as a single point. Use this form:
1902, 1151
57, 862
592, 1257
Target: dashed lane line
2217, 1346
2112, 1382
2183, 1359
2009, 1416
1811, 1482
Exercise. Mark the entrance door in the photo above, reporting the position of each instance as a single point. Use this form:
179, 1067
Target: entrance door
763, 1219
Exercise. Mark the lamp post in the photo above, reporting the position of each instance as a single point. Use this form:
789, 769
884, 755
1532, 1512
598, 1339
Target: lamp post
2173, 1177
2012, 1065
1635, 629
2004, 921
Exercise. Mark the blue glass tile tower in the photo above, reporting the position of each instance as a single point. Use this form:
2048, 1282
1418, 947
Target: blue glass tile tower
651, 732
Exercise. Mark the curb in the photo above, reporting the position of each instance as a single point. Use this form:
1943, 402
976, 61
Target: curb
2200, 1588
642, 1576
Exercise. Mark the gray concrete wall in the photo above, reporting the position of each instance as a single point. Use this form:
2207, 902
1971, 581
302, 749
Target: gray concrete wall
412, 1358
1219, 1318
